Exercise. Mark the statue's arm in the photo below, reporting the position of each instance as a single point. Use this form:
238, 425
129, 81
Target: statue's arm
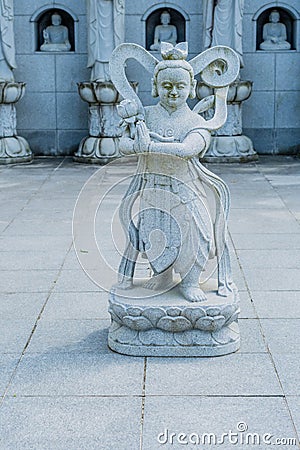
46, 36
174, 33
66, 35
283, 35
196, 143
156, 35
265, 32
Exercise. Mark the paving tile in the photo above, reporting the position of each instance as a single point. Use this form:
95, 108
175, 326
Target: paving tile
245, 241
14, 334
108, 252
294, 405
47, 215
290, 196
272, 279
68, 336
36, 227
75, 281
282, 335
262, 221
74, 305
27, 280
283, 259
17, 260
195, 416
22, 305
277, 304
52, 202
7, 366
70, 423
251, 336
247, 306
270, 200
39, 243
71, 261
288, 369
3, 225
238, 276
78, 374
237, 374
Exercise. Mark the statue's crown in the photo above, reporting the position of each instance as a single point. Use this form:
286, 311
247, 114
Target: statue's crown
168, 51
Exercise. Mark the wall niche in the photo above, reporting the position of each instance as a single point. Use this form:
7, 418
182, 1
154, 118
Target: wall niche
154, 19
50, 18
285, 18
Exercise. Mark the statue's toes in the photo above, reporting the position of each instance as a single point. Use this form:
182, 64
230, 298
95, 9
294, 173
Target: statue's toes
194, 294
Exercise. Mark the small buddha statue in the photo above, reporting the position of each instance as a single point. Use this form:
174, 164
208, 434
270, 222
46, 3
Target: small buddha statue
164, 32
56, 36
274, 34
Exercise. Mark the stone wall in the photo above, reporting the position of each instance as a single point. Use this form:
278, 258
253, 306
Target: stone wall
51, 114
271, 116
54, 119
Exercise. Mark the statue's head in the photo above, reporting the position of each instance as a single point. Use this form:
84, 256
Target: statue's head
56, 19
165, 18
274, 16
174, 74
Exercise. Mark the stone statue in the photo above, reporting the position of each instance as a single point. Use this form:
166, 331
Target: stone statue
7, 41
274, 34
169, 138
56, 36
105, 32
164, 32
223, 24
174, 212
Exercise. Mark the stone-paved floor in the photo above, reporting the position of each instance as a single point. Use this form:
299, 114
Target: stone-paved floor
63, 389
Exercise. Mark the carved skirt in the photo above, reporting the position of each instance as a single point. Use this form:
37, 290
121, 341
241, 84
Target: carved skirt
175, 225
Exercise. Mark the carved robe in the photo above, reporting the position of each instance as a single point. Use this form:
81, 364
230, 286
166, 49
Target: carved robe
223, 24
183, 206
105, 32
173, 200
7, 40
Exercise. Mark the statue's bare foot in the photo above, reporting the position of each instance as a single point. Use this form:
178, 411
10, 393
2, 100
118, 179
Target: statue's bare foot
162, 280
193, 293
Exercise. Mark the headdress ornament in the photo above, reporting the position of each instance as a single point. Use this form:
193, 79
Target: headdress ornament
168, 51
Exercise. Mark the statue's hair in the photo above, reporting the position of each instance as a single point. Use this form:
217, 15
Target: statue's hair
173, 64
274, 11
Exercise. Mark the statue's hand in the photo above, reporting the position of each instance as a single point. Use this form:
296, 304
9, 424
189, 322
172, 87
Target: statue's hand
142, 138
46, 36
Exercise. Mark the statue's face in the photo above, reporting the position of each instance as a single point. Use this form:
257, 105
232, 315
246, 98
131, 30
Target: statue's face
173, 87
56, 19
165, 19
274, 17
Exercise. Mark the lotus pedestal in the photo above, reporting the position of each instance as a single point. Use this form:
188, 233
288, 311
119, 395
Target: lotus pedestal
102, 144
228, 144
146, 324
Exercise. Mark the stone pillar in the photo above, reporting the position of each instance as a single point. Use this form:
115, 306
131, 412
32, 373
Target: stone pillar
105, 32
101, 146
13, 148
228, 143
223, 25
